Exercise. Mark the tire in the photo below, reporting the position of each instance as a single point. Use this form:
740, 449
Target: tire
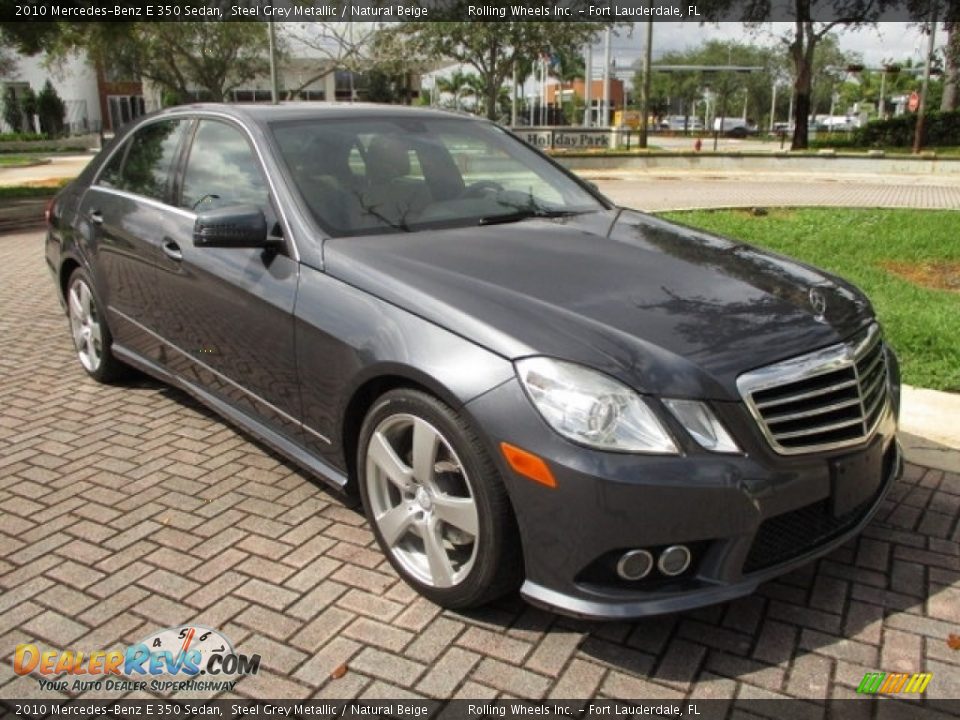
91, 336
421, 508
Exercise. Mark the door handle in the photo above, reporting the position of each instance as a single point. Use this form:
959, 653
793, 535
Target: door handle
96, 217
172, 250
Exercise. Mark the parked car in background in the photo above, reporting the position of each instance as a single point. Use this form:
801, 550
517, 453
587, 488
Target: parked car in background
734, 127
527, 386
679, 123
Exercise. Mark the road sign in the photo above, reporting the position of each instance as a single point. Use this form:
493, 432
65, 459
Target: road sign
914, 102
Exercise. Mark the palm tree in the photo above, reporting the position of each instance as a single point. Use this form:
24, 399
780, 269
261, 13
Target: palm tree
460, 84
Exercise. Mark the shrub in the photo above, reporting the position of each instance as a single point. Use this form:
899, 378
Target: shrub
28, 108
940, 128
11, 109
22, 137
51, 110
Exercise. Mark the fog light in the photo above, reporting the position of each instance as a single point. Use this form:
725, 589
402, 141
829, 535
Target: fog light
674, 560
635, 565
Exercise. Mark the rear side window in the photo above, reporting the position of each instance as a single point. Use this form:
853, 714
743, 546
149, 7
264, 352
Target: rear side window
110, 175
222, 170
153, 150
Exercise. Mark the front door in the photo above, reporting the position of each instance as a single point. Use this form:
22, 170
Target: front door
227, 313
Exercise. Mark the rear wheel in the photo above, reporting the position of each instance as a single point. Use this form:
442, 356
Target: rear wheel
91, 336
436, 502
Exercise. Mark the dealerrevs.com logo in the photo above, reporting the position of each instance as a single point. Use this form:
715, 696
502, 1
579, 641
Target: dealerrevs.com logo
169, 660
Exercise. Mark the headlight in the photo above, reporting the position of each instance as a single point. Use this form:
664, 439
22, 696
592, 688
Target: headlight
591, 408
703, 425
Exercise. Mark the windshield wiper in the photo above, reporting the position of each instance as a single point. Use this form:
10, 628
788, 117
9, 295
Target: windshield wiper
526, 213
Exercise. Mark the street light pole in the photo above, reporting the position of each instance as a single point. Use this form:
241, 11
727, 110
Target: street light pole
921, 110
513, 97
881, 109
773, 107
588, 86
274, 89
605, 112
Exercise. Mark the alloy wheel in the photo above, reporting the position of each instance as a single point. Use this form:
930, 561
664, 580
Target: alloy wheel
85, 325
421, 500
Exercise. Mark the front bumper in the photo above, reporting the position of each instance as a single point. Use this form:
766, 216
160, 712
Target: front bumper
743, 516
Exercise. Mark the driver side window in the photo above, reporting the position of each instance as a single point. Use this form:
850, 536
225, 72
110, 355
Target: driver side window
222, 170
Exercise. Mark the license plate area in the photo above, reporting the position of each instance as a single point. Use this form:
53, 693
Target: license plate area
855, 478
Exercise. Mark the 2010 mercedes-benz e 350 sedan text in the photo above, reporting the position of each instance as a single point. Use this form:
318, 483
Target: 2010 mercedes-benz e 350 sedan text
527, 386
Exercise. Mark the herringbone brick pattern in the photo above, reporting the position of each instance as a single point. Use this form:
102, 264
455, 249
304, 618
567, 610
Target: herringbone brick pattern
127, 509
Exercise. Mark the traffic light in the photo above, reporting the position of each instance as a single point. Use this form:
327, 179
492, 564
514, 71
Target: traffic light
855, 68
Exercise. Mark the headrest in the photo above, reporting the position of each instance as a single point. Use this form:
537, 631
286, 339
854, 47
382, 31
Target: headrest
388, 158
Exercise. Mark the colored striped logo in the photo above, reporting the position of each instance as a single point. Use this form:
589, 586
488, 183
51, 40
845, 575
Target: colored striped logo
890, 683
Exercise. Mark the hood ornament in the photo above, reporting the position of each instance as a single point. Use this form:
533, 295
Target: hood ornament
818, 302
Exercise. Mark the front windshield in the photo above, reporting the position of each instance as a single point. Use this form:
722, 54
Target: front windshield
360, 176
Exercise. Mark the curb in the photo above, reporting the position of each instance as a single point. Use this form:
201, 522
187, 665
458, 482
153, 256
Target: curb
24, 215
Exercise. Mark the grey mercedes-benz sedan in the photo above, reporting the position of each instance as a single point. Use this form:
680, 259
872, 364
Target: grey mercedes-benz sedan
527, 386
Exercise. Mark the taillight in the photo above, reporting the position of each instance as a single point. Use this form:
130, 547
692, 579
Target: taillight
48, 210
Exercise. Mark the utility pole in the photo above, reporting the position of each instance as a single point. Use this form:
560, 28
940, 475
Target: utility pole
513, 97
647, 72
605, 112
588, 86
921, 111
773, 107
274, 88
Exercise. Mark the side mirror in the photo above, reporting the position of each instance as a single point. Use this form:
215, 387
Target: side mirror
236, 226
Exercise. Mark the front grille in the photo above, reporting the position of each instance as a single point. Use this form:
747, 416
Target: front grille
827, 399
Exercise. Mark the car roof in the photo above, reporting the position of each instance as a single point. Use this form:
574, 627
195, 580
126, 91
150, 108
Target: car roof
263, 113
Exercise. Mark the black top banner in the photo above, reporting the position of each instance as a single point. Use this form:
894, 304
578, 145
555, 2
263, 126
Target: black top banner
600, 11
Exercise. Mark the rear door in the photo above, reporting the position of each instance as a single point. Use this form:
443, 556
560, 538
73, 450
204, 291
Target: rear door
124, 215
227, 313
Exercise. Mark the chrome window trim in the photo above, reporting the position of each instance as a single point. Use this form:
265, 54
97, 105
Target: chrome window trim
144, 199
830, 359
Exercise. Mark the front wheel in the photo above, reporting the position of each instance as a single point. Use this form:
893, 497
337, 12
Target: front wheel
437, 505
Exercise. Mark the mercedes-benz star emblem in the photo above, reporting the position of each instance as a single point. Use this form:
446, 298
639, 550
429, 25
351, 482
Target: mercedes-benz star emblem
818, 302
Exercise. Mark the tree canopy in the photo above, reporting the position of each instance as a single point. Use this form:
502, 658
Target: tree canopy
213, 57
492, 48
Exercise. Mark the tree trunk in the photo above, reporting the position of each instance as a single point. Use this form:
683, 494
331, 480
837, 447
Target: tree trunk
951, 76
801, 113
492, 86
801, 52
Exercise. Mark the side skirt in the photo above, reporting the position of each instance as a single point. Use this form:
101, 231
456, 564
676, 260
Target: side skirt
286, 447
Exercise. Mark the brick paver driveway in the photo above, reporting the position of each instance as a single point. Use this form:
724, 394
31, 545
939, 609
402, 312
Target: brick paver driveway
127, 509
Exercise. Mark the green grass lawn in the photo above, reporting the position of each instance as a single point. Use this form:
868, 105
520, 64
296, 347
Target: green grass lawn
36, 190
922, 323
17, 160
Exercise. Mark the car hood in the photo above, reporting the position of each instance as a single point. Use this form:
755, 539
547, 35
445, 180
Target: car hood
665, 308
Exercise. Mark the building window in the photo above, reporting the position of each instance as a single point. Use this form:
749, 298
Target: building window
123, 109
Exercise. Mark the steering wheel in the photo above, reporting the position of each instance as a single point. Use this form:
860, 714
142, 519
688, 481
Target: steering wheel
478, 189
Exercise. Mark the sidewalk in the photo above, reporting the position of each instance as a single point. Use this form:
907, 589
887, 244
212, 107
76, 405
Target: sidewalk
930, 428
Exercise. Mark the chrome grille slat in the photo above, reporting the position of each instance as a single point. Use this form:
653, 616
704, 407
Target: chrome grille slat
827, 399
806, 396
871, 390
874, 364
819, 430
773, 419
879, 399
